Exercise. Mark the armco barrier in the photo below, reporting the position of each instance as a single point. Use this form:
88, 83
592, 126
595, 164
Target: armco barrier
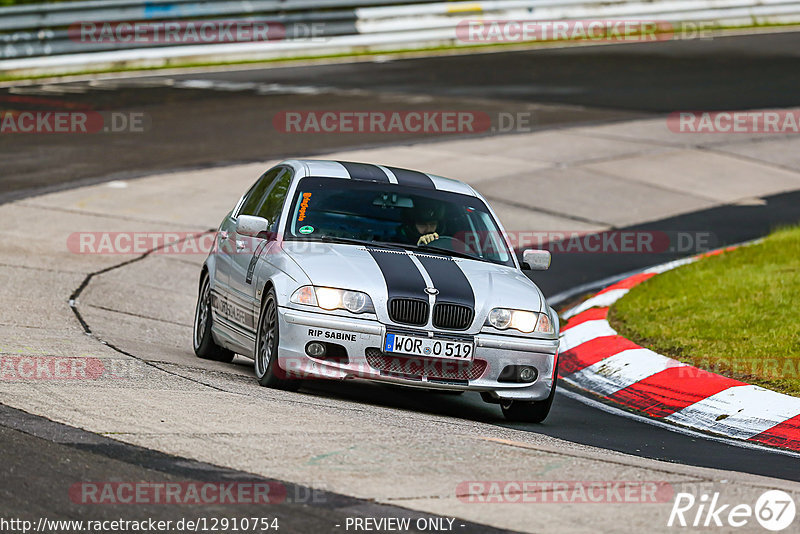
41, 39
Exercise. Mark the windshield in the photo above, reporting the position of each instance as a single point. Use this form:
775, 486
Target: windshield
381, 213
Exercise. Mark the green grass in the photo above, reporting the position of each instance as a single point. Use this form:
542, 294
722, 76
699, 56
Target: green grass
736, 314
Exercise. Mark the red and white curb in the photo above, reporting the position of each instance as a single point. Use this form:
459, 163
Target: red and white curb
595, 358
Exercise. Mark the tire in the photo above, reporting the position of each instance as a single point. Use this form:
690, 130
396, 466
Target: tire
202, 340
528, 411
268, 372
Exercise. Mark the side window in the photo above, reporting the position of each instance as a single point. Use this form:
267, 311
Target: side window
257, 192
271, 208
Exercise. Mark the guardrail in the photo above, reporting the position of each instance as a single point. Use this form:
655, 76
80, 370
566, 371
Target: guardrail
40, 39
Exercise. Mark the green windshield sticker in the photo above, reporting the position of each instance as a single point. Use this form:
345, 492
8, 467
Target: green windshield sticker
306, 229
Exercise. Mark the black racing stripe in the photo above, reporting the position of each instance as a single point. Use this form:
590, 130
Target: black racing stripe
403, 279
365, 171
412, 178
449, 279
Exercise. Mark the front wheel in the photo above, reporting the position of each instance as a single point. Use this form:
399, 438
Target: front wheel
528, 411
202, 340
268, 372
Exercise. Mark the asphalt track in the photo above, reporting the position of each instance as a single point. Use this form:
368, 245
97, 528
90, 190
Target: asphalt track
564, 86
48, 458
561, 86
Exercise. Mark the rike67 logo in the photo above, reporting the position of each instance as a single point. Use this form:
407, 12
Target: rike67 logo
774, 510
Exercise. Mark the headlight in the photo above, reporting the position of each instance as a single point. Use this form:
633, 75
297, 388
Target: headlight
524, 321
355, 301
500, 318
329, 298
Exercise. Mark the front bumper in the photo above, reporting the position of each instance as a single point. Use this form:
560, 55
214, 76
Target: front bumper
363, 340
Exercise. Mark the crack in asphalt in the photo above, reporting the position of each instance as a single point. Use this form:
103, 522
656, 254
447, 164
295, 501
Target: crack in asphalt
73, 304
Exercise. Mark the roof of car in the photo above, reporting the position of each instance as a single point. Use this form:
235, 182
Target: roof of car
379, 173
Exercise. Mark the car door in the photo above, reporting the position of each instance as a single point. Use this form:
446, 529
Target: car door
248, 249
226, 246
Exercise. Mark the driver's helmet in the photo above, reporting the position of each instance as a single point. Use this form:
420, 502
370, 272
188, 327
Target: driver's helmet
424, 212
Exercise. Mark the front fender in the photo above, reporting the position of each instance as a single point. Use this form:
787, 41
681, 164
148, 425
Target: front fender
280, 272
556, 320
283, 284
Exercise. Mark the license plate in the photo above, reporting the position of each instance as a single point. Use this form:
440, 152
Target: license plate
428, 347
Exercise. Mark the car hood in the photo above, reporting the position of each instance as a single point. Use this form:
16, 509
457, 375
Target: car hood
384, 273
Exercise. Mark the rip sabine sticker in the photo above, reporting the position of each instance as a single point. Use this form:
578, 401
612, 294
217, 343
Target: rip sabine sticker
326, 334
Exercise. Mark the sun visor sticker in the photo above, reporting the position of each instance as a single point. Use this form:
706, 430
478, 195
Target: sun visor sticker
301, 215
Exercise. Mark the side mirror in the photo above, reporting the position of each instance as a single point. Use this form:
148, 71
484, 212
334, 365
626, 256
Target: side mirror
536, 260
251, 226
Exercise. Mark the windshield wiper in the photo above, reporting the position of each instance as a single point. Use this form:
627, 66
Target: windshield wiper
387, 244
448, 252
437, 250
351, 241
345, 240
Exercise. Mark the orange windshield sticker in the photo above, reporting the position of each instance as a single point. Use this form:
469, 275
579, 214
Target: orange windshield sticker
303, 207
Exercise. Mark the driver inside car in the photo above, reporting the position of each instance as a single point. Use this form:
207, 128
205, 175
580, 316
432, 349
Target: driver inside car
424, 225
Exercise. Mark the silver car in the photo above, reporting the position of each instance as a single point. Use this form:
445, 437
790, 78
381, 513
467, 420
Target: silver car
340, 270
